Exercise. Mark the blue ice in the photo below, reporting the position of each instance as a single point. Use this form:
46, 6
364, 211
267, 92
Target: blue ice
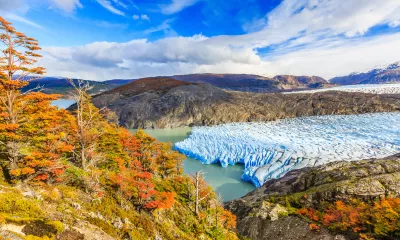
271, 149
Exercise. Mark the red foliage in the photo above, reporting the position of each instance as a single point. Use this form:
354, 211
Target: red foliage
228, 219
383, 217
314, 227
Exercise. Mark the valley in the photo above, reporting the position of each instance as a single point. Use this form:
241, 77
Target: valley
207, 120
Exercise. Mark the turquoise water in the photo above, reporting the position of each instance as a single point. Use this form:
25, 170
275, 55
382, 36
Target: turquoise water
62, 103
225, 181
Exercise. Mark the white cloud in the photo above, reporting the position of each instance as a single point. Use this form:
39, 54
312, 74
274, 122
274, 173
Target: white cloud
292, 19
17, 18
163, 27
140, 58
7, 5
120, 3
66, 5
177, 6
394, 23
108, 5
142, 16
309, 38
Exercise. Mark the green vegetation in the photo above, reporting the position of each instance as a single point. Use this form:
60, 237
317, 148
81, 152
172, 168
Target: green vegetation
79, 170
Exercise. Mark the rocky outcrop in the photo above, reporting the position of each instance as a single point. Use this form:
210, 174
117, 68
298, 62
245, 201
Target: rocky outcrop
165, 103
309, 187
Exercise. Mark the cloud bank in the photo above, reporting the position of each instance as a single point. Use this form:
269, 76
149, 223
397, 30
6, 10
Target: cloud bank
325, 38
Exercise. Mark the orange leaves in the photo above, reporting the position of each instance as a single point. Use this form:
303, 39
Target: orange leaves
8, 127
310, 213
314, 227
166, 200
383, 217
22, 171
228, 219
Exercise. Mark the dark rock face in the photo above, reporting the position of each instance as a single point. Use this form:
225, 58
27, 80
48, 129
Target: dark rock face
287, 228
165, 103
367, 180
390, 74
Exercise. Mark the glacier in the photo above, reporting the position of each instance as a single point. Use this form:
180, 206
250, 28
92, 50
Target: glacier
392, 88
269, 150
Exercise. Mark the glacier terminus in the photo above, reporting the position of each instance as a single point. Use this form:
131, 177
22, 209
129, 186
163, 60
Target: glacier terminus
268, 150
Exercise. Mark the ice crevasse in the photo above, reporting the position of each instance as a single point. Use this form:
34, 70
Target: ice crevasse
271, 149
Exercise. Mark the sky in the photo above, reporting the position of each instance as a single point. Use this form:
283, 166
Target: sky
126, 39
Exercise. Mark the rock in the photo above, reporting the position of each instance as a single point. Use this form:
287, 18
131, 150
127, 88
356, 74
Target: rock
286, 228
118, 223
365, 180
90, 231
70, 235
271, 211
40, 229
9, 235
77, 206
96, 215
9, 230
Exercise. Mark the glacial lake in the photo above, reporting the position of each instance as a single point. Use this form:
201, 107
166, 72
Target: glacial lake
62, 103
225, 181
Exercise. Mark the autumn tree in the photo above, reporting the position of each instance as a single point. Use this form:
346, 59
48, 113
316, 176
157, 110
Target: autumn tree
89, 127
201, 190
19, 54
32, 133
47, 140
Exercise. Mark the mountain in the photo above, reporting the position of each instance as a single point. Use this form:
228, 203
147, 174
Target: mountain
237, 82
61, 85
255, 83
275, 211
388, 74
166, 102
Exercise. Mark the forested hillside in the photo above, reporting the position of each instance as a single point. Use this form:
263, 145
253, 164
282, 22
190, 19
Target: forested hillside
80, 176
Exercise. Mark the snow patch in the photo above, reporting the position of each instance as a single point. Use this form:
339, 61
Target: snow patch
364, 88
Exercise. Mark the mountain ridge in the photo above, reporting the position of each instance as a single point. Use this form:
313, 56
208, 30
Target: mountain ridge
204, 104
377, 75
236, 82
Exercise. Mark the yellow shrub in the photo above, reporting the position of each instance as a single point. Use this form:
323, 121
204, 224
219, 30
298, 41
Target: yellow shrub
14, 203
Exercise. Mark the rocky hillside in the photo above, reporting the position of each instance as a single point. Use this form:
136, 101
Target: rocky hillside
165, 102
268, 212
389, 74
256, 83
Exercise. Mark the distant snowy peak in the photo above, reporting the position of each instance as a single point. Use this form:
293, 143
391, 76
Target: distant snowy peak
378, 75
394, 66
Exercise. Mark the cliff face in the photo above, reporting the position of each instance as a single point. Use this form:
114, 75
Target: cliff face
364, 180
165, 103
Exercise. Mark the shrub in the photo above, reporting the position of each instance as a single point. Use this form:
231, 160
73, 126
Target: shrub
14, 203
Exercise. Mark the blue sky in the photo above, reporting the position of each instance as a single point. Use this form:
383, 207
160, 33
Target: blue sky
108, 39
